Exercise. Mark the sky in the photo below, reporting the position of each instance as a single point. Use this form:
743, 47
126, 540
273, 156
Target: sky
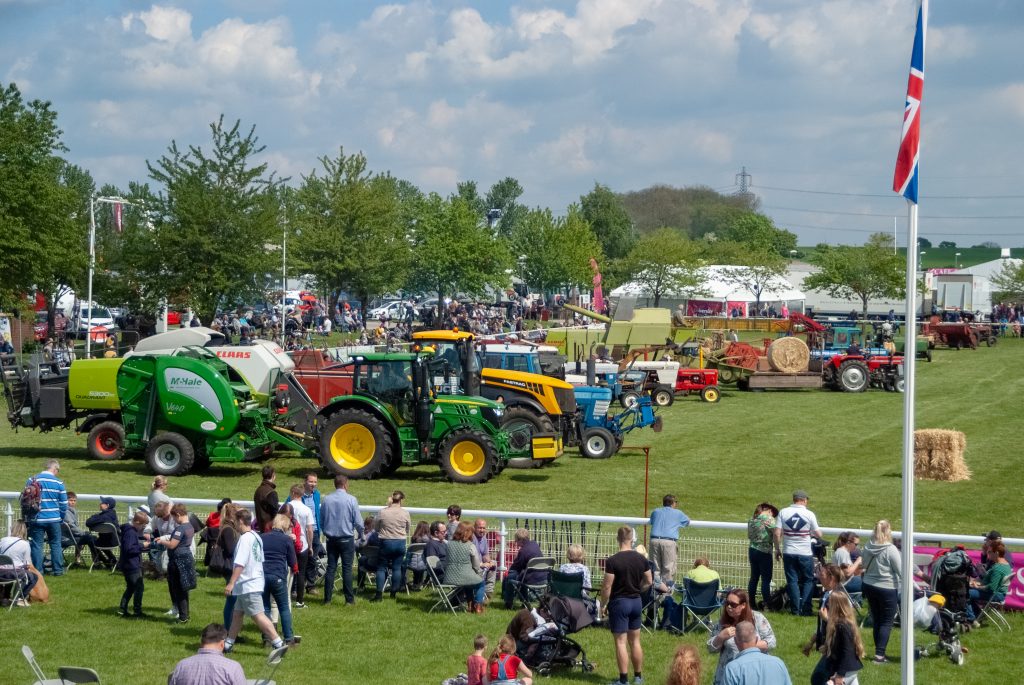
807, 96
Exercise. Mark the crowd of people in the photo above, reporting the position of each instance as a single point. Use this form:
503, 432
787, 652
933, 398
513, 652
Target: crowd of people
269, 559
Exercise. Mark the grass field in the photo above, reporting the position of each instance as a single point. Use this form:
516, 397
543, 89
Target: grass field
719, 459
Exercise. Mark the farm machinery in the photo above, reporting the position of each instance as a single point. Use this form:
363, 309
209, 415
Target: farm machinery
187, 407
602, 433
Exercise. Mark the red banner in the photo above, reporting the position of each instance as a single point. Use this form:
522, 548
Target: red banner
704, 308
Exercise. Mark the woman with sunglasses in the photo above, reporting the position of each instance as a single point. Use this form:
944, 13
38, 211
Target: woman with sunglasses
723, 636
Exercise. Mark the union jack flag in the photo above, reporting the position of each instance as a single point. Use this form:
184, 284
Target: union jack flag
905, 179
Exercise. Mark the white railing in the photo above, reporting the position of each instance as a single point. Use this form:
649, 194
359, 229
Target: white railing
555, 532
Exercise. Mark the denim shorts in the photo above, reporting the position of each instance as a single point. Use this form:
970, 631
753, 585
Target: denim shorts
624, 614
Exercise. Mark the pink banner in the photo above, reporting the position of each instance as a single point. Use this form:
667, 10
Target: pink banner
704, 308
1015, 597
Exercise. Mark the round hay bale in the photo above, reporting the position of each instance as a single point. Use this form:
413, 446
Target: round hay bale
788, 355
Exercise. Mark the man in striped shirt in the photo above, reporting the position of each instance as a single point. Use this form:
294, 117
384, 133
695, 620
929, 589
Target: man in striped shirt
53, 502
794, 528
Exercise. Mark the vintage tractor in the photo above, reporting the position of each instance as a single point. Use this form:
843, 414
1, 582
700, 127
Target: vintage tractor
856, 373
602, 433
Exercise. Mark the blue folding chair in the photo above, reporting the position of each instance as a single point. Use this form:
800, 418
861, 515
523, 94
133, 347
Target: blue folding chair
700, 602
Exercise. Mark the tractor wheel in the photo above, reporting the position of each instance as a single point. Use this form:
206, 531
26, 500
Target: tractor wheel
597, 443
521, 423
357, 444
728, 375
900, 385
628, 399
663, 396
991, 340
202, 461
170, 454
710, 393
469, 456
854, 376
106, 440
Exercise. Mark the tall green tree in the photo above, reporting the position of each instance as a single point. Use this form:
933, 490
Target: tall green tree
1009, 281
504, 197
664, 262
695, 210
867, 272
351, 230
555, 252
759, 233
215, 212
454, 250
43, 228
607, 216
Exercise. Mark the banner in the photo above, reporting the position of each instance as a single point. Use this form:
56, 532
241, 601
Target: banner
1015, 597
704, 308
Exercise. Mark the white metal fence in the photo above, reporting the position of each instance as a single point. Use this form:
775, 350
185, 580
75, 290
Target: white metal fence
724, 543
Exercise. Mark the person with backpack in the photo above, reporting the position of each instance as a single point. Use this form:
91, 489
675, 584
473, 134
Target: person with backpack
43, 503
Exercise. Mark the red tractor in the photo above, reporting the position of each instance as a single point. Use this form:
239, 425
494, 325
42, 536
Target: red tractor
702, 381
856, 373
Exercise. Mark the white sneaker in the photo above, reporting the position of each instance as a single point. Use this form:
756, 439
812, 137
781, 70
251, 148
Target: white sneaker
21, 603
171, 612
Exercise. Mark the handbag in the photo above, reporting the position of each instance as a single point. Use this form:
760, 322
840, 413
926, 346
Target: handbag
186, 571
218, 561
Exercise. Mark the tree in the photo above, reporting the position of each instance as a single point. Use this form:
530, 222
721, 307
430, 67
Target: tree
666, 262
695, 210
754, 270
555, 252
759, 233
42, 225
351, 229
864, 273
504, 196
947, 244
923, 244
1009, 282
212, 218
452, 249
607, 216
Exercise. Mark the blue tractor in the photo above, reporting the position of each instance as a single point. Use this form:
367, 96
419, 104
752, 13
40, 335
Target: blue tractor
602, 433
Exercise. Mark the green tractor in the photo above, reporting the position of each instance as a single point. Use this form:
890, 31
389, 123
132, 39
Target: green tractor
392, 418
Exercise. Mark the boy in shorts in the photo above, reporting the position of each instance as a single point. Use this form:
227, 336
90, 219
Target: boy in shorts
246, 585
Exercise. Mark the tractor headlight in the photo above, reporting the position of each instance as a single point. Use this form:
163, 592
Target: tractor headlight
493, 415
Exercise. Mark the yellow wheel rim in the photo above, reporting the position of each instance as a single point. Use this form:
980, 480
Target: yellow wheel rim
352, 446
711, 395
467, 458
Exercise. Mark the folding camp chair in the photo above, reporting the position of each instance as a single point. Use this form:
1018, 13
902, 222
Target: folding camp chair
68, 543
565, 584
77, 675
993, 609
13, 581
530, 593
36, 671
701, 601
101, 529
445, 593
652, 600
273, 661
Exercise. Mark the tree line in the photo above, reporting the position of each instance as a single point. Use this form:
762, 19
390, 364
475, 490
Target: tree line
205, 229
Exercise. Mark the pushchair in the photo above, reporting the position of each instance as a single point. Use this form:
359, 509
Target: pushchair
545, 649
951, 574
949, 637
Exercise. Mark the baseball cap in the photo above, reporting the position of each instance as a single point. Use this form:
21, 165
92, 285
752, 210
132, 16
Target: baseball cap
993, 535
800, 494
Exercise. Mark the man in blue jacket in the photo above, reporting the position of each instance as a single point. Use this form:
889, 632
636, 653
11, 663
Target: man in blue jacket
53, 502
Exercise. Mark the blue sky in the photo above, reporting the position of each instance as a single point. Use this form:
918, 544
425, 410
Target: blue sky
806, 95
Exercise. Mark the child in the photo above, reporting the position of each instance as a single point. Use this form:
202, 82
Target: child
505, 667
476, 663
131, 563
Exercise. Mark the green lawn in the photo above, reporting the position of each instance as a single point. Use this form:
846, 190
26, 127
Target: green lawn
719, 459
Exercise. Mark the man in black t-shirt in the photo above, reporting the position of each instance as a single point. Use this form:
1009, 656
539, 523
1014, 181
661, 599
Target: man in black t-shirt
626, 576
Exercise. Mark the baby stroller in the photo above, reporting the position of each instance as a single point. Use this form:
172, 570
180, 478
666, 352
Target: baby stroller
951, 575
949, 637
549, 645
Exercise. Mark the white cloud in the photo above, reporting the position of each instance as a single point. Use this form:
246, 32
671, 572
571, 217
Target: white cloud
168, 24
18, 72
1013, 97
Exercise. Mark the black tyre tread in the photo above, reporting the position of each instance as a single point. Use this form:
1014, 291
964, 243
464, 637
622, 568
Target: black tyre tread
706, 389
609, 438
863, 367
541, 423
491, 468
100, 428
188, 454
381, 435
666, 391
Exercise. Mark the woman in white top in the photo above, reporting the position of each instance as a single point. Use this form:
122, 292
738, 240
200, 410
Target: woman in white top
17, 548
158, 493
842, 556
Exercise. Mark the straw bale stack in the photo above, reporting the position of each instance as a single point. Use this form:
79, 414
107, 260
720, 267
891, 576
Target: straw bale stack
939, 455
788, 355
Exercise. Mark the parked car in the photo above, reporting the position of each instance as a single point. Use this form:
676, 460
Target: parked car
393, 310
88, 318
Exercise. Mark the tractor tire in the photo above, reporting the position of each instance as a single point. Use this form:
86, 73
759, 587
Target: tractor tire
663, 396
597, 443
710, 393
854, 376
170, 454
357, 444
106, 440
728, 375
468, 456
628, 399
900, 385
521, 423
928, 355
991, 340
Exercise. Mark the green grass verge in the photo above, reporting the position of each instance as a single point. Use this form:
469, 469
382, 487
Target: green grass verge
719, 459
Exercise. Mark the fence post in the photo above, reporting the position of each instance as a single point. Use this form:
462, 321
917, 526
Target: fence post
502, 535
9, 515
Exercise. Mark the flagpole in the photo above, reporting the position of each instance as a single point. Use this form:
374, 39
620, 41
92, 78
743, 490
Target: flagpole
910, 378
